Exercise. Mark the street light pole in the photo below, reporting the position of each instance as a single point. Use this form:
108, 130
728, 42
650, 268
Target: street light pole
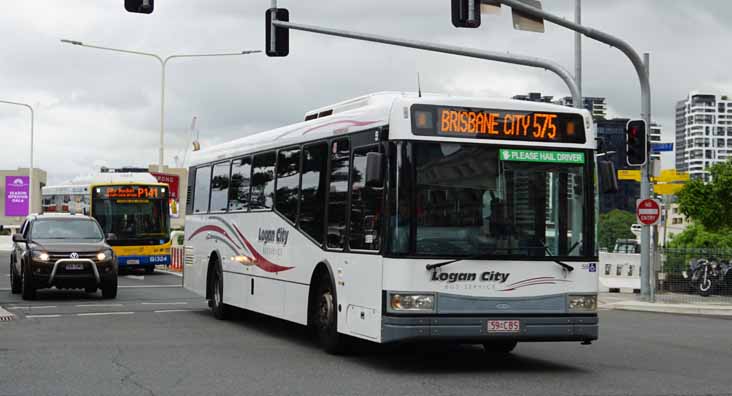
30, 169
163, 63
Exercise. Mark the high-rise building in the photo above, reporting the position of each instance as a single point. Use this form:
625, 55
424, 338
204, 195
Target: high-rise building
703, 132
654, 137
534, 97
595, 105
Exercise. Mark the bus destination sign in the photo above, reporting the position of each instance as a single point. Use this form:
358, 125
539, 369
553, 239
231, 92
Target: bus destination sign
462, 122
129, 192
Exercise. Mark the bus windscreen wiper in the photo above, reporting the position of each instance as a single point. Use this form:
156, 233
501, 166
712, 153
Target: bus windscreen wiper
566, 266
431, 267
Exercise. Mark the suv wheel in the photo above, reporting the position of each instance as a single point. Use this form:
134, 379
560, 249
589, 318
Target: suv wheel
15, 285
109, 288
26, 281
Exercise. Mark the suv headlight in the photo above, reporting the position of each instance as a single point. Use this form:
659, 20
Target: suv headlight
40, 256
411, 302
582, 302
105, 255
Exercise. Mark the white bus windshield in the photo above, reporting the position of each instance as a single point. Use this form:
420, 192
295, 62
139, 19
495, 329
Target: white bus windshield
473, 200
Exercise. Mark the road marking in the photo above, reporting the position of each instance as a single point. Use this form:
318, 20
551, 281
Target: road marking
145, 286
42, 316
5, 315
104, 313
173, 310
135, 277
31, 307
164, 303
178, 274
99, 305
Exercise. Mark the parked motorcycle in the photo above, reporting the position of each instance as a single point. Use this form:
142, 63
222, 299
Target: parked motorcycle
704, 275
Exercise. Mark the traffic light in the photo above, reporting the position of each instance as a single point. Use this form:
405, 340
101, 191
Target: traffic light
636, 143
461, 17
140, 6
278, 39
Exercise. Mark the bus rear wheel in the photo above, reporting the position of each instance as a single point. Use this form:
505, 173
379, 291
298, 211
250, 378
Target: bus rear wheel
326, 319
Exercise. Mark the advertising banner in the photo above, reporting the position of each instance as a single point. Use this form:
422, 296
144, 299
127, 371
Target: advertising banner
17, 189
173, 182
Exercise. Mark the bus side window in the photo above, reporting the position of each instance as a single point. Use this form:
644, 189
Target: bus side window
220, 187
288, 183
366, 205
314, 187
340, 156
200, 195
263, 181
241, 172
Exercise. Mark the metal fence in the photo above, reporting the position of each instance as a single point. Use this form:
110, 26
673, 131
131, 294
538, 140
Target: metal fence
695, 275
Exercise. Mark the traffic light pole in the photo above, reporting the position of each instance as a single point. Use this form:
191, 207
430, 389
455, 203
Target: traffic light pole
641, 68
505, 57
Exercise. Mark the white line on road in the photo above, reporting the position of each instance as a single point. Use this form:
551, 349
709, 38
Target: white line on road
31, 307
178, 274
42, 316
173, 310
135, 277
164, 303
99, 305
104, 313
144, 286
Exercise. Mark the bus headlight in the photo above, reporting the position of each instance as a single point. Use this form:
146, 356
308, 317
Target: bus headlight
582, 302
412, 302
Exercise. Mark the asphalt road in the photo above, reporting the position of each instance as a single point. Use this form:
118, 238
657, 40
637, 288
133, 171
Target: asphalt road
156, 338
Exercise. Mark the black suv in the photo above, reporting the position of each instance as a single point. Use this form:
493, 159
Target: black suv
65, 251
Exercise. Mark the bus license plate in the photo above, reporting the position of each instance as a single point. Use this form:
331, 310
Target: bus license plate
503, 326
133, 262
76, 266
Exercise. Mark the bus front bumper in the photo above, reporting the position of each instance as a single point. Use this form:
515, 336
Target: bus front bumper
474, 329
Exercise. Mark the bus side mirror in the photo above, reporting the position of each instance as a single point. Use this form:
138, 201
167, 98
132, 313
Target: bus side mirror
375, 170
608, 176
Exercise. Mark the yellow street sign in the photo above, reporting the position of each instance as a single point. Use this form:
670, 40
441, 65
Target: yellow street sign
670, 175
629, 174
667, 189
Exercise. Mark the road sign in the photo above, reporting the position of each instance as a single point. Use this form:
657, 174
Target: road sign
648, 211
629, 174
667, 188
670, 175
661, 147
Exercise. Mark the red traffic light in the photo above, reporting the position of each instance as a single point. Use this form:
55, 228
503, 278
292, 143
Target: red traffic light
636, 143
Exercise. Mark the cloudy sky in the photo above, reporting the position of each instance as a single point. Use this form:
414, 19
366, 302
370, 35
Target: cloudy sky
98, 107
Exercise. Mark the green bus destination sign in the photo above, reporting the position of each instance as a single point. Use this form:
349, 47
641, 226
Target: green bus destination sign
556, 157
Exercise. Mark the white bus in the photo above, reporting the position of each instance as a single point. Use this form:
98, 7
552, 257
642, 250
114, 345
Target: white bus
392, 218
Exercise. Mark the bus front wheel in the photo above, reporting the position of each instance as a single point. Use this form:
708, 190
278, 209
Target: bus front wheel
326, 319
220, 310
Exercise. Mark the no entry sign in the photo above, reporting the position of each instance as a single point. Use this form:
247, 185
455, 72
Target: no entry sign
648, 211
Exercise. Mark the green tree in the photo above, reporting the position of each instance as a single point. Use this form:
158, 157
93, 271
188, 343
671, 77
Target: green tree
709, 204
615, 225
697, 236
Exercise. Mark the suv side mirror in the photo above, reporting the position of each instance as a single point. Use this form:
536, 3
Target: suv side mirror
18, 238
374, 170
608, 176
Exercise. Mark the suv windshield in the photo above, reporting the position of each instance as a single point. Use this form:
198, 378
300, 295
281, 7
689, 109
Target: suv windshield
65, 229
473, 200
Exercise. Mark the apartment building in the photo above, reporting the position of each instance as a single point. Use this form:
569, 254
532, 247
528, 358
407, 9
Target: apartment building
703, 132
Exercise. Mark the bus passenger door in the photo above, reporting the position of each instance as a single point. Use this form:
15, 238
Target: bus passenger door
361, 268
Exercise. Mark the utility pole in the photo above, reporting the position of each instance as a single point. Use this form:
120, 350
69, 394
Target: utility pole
578, 47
